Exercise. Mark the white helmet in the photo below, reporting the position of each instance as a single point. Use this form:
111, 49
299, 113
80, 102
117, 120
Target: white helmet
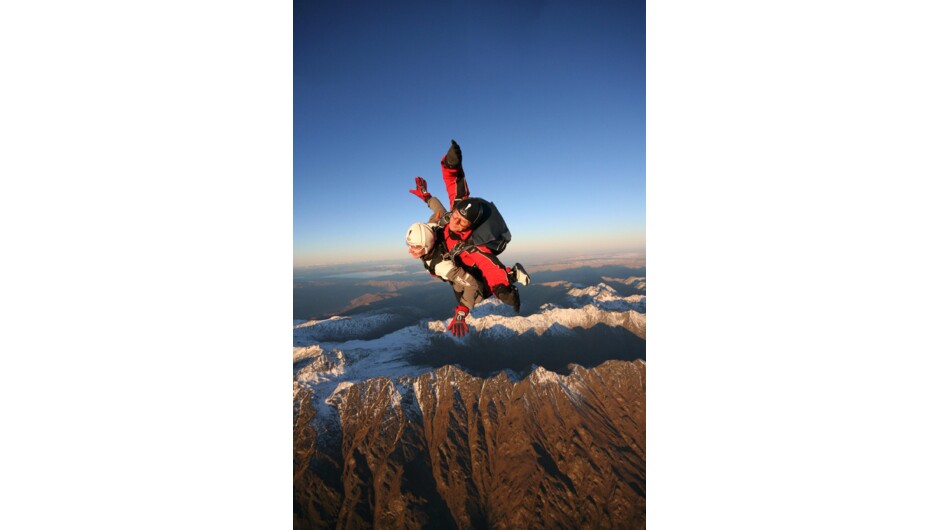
420, 235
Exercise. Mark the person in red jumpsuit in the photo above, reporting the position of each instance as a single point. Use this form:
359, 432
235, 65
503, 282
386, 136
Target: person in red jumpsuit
458, 225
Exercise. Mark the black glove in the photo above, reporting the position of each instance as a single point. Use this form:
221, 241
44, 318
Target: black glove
421, 189
458, 326
508, 294
453, 158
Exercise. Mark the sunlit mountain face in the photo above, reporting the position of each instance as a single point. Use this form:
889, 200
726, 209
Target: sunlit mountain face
535, 419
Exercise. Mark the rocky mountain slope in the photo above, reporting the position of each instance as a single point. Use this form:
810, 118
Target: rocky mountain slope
450, 450
381, 441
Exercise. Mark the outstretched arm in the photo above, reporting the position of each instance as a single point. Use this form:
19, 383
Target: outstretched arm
421, 192
436, 207
452, 171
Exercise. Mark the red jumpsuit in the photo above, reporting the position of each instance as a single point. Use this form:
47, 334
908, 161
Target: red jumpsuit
494, 272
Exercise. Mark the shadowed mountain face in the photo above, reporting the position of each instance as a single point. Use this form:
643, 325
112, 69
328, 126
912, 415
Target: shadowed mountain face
450, 450
484, 355
533, 420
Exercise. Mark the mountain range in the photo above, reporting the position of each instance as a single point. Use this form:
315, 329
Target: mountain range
533, 420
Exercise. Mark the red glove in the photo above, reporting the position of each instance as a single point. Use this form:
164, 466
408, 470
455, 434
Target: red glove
458, 326
421, 189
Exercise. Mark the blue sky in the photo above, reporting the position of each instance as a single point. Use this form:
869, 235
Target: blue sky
547, 100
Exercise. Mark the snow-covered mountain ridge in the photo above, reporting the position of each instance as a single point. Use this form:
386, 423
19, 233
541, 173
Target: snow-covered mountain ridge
388, 355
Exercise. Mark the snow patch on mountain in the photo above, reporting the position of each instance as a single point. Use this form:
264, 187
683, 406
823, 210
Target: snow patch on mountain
307, 352
322, 366
559, 283
635, 282
600, 292
558, 321
606, 297
542, 376
491, 306
340, 328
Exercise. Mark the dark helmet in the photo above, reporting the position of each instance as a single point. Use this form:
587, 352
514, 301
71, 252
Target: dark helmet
471, 209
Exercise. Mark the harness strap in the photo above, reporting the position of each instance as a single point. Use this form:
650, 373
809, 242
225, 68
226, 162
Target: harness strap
463, 246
